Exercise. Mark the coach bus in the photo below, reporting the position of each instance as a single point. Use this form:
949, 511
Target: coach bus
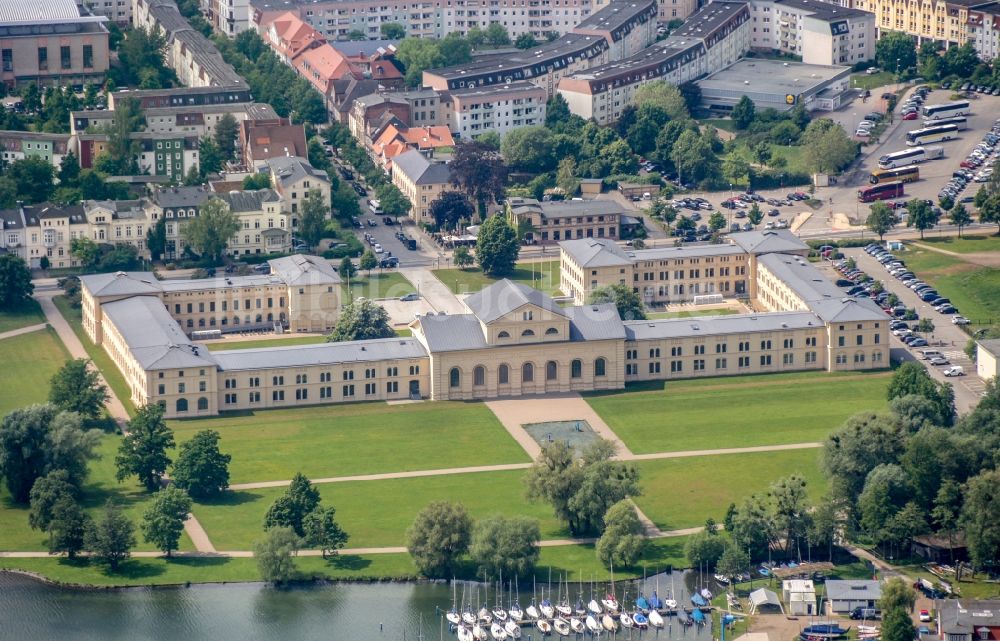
931, 134
947, 110
959, 121
883, 191
910, 157
902, 174
375, 207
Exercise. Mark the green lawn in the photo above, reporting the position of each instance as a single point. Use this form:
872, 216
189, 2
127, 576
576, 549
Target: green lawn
579, 562
97, 354
540, 275
384, 285
866, 81
725, 124
738, 411
30, 315
723, 311
683, 492
16, 535
965, 244
793, 155
178, 571
284, 341
29, 362
974, 290
377, 513
358, 438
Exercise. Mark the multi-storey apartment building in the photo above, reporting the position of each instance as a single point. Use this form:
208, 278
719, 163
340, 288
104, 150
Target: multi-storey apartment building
819, 32
265, 226
183, 96
422, 181
117, 11
293, 178
714, 37
17, 145
270, 138
497, 108
229, 17
942, 21
52, 43
984, 30
552, 222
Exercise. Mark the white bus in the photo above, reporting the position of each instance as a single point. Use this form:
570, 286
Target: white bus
959, 121
931, 134
907, 157
375, 206
947, 110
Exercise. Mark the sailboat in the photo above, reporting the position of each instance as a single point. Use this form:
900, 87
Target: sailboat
640, 620
593, 607
453, 616
497, 632
467, 615
592, 625
698, 616
561, 627
577, 625
513, 629
626, 620
480, 633
671, 603
531, 610
563, 607
608, 623
464, 634
543, 626
655, 619
609, 601
548, 610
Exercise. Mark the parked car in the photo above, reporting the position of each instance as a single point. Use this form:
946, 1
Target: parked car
960, 320
939, 360
410, 297
954, 370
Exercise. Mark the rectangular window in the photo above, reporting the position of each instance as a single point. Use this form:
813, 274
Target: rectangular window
8, 60
369, 389
392, 387
787, 359
840, 341
765, 359
699, 365
88, 56
64, 57
43, 59
720, 363
860, 339
348, 390
278, 395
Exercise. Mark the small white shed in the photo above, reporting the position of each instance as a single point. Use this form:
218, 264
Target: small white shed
799, 596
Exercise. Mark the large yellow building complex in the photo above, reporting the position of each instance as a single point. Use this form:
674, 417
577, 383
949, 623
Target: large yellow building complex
513, 340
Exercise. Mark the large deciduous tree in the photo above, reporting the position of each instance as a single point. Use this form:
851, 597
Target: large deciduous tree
210, 231
450, 208
322, 531
664, 95
438, 537
201, 468
362, 319
505, 545
496, 246
291, 508
880, 219
479, 171
622, 542
313, 217
111, 538
163, 521
921, 215
226, 131
143, 451
77, 387
15, 282
623, 297
275, 554
744, 112
896, 51
980, 518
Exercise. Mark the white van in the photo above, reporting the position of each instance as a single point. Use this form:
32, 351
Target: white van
928, 354
954, 370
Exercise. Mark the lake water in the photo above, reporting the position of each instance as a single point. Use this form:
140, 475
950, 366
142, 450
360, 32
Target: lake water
33, 611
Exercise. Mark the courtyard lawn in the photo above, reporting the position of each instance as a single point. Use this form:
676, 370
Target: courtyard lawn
738, 412
29, 363
973, 289
725, 124
359, 438
377, 513
97, 354
872, 81
284, 341
387, 284
964, 245
723, 311
540, 275
100, 486
31, 314
684, 492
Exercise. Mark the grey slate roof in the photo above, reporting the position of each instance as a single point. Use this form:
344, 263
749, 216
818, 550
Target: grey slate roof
220, 283
853, 590
768, 241
415, 166
449, 333
566, 208
324, 354
121, 283
153, 336
595, 252
300, 269
181, 196
505, 296
720, 325
685, 251
252, 200
966, 616
822, 296
290, 169
594, 322
353, 48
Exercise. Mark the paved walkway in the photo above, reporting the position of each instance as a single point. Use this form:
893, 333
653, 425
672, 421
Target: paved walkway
114, 406
433, 290
515, 412
389, 475
22, 330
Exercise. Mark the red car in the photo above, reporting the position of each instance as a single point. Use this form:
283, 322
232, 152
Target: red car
910, 116
970, 164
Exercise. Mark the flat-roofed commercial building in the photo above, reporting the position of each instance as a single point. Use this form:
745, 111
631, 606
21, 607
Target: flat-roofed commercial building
776, 85
52, 43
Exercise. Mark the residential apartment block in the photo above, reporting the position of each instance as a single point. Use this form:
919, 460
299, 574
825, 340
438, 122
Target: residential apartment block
293, 178
819, 32
117, 11
263, 139
942, 21
53, 43
184, 96
497, 108
422, 181
17, 145
230, 17
984, 30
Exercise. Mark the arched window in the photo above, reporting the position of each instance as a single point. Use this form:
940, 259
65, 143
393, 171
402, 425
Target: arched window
551, 371
503, 375
527, 332
202, 403
527, 373
479, 375
182, 405
551, 331
600, 367
503, 334
454, 377
576, 368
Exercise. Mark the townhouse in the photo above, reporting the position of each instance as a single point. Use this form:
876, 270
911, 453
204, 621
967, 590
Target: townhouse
53, 43
422, 181
293, 178
18, 145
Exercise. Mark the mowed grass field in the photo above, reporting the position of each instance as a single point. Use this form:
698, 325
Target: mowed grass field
966, 244
738, 411
377, 513
973, 289
543, 276
100, 486
360, 438
387, 284
683, 492
265, 342
29, 362
30, 315
722, 311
